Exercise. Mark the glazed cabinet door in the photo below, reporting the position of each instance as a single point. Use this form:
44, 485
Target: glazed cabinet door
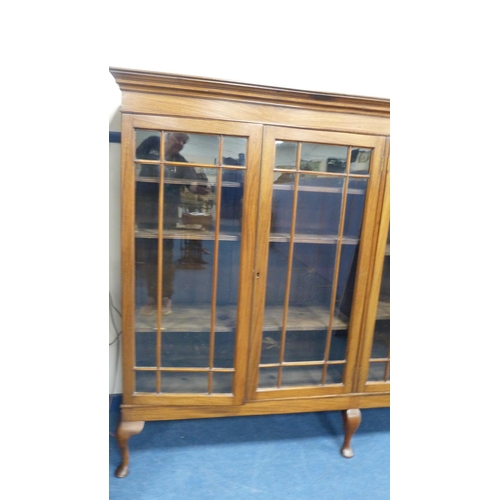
316, 224
188, 249
375, 352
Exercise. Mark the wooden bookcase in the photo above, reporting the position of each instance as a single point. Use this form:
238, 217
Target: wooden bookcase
255, 251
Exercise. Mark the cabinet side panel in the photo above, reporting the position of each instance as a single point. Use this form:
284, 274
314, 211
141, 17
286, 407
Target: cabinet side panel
127, 236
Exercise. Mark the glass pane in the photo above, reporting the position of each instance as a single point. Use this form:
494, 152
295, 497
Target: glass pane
198, 148
224, 349
276, 282
184, 382
305, 346
145, 349
334, 374
185, 349
380, 347
286, 156
379, 372
282, 205
271, 347
346, 280
227, 287
319, 205
187, 285
268, 377
222, 382
323, 158
231, 209
338, 345
234, 151
145, 381
146, 280
192, 201
302, 375
355, 205
360, 161
147, 144
147, 191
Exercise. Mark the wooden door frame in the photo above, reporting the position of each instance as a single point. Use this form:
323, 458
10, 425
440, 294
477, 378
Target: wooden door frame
271, 134
253, 133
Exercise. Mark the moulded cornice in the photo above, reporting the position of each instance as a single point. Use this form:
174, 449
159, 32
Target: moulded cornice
180, 85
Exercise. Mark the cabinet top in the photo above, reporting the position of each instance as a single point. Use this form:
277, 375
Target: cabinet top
181, 85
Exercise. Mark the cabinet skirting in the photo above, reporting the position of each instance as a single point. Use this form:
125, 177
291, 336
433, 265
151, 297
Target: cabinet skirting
302, 405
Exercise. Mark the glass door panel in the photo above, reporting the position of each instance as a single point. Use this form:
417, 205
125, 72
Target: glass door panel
379, 363
375, 352
317, 206
189, 191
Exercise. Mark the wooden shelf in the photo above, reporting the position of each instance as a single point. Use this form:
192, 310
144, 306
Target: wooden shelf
185, 234
311, 238
190, 234
317, 189
300, 319
197, 319
185, 182
189, 319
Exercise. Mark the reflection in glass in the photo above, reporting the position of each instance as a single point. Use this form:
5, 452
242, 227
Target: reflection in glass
323, 158
360, 161
178, 273
195, 206
268, 377
201, 149
286, 155
146, 197
271, 344
148, 144
234, 150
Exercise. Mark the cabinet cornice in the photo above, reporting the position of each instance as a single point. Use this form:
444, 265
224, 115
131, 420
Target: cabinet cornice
208, 88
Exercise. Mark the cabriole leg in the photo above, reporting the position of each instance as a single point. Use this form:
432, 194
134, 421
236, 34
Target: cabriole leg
124, 432
352, 419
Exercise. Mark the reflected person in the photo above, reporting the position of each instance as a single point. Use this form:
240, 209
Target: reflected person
147, 208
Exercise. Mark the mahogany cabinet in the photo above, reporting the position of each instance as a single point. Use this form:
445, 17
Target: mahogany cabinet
255, 251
